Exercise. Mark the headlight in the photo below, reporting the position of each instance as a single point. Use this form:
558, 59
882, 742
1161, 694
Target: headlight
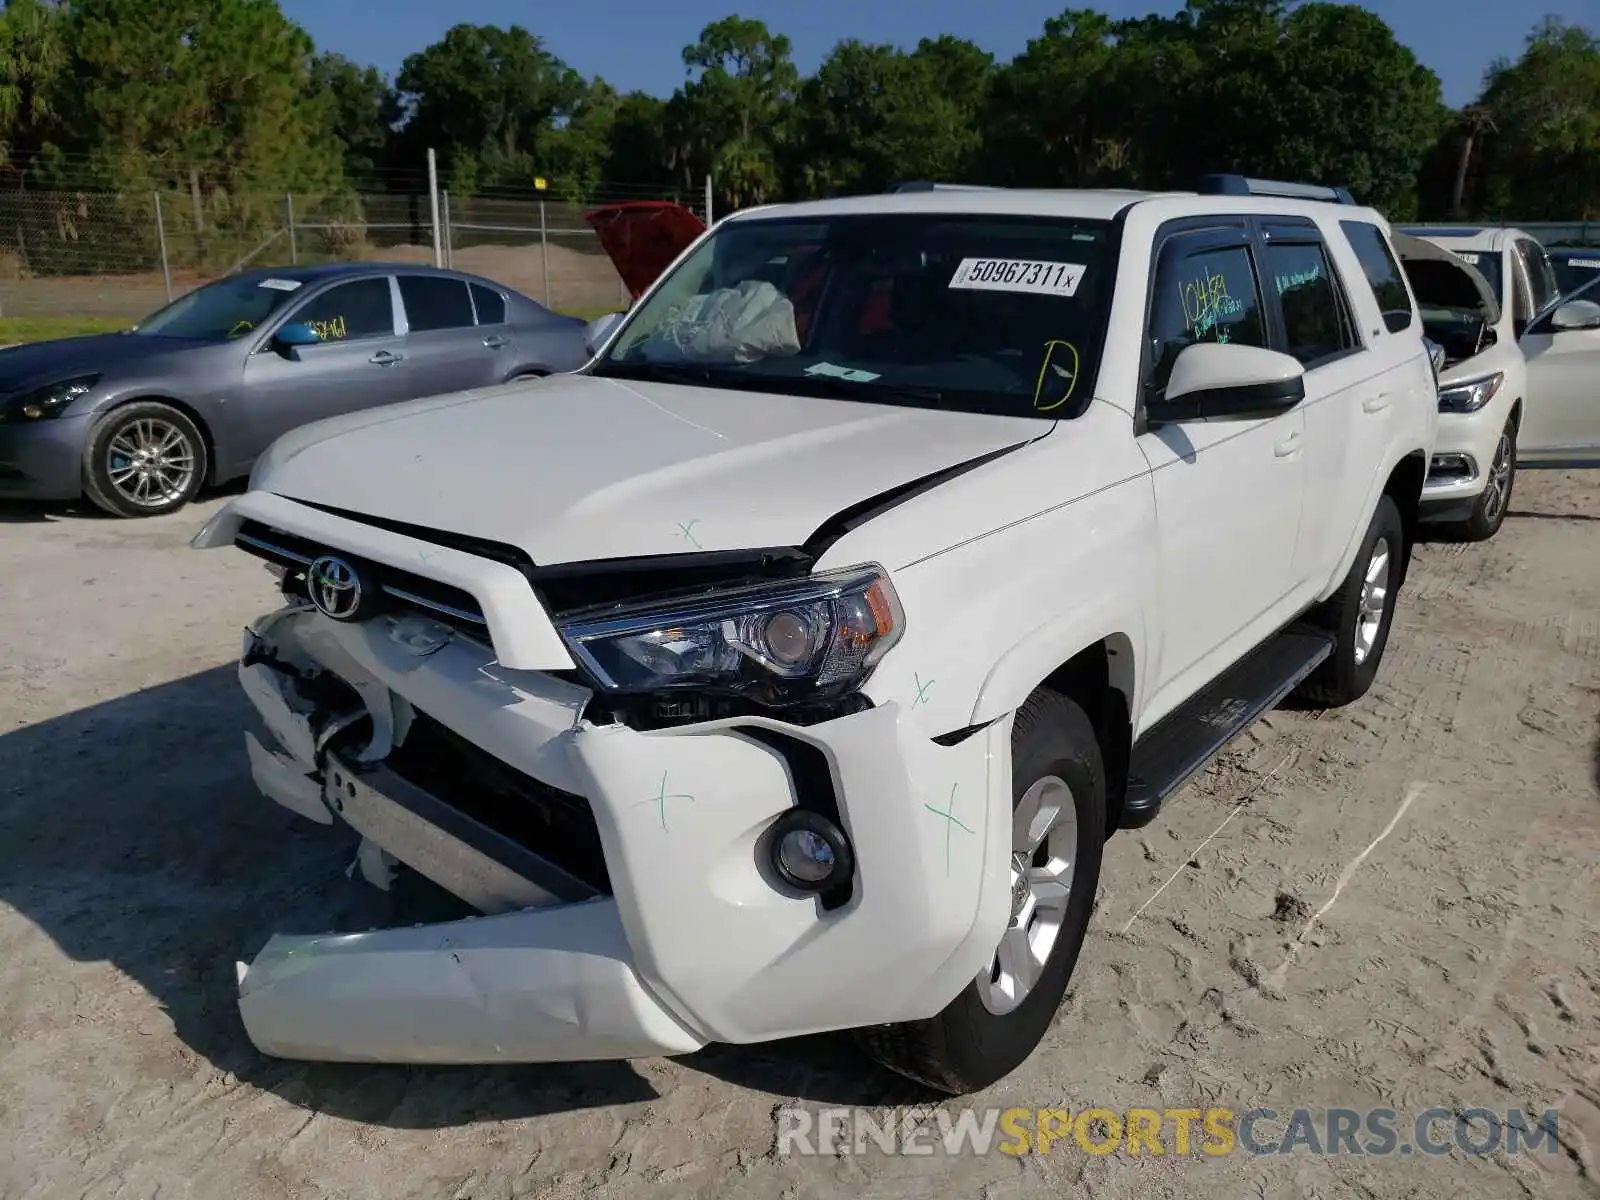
43, 403
1470, 396
777, 643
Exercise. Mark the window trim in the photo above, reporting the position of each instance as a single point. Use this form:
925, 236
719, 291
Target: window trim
399, 295
1230, 230
1299, 231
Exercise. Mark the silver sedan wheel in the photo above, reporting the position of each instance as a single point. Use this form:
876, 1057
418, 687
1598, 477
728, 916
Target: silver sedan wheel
1044, 850
1374, 600
151, 463
1494, 494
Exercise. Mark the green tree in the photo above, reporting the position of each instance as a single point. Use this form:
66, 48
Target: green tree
637, 153
362, 110
33, 62
731, 119
211, 95
1542, 159
873, 115
485, 99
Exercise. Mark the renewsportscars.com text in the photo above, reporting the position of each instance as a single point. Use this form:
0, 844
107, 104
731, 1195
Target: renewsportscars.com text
1374, 1132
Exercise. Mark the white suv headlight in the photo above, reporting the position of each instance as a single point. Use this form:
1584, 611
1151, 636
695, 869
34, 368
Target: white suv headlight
1470, 395
778, 644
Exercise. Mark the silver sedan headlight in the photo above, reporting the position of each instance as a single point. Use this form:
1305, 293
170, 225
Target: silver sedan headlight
784, 643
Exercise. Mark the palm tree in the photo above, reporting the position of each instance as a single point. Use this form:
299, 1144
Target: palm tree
1475, 121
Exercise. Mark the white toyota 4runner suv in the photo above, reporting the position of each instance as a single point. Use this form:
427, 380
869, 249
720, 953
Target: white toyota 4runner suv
786, 668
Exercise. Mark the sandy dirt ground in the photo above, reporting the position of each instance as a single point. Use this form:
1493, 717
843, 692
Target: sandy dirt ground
1446, 829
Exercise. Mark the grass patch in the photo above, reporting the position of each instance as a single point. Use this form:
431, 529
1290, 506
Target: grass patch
40, 329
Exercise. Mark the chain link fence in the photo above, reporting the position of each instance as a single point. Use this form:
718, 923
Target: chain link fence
105, 255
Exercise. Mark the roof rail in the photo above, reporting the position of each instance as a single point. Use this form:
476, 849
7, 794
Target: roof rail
924, 185
1243, 185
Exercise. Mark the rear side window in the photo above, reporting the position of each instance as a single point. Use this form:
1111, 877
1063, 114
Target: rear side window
1204, 293
491, 305
1314, 309
350, 311
434, 302
1378, 264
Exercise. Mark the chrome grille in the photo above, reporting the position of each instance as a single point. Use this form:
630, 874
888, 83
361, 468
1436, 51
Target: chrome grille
406, 591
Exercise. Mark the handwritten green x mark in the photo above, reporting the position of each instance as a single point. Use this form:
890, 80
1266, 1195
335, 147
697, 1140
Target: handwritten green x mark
951, 823
660, 800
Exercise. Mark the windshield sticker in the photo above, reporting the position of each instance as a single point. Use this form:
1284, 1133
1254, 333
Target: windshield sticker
1018, 275
1057, 370
1206, 302
1468, 257
280, 285
847, 373
1592, 264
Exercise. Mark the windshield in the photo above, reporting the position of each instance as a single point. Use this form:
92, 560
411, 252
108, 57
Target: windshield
1574, 271
229, 308
1488, 264
993, 314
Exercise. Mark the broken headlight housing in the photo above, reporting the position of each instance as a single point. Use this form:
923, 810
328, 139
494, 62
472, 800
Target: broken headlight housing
1469, 395
775, 644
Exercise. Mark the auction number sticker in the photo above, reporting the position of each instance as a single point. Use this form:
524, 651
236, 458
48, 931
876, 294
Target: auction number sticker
1018, 275
280, 285
1468, 257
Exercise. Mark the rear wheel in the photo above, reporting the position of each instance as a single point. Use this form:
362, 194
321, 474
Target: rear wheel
143, 460
1058, 833
1490, 511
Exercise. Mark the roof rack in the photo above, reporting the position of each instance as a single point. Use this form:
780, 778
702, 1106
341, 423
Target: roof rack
1243, 185
924, 185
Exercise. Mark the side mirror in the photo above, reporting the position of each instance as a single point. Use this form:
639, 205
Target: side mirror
599, 329
296, 333
1574, 315
1436, 355
1211, 380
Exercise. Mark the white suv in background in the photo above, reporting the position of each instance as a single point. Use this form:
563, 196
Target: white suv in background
785, 668
1521, 381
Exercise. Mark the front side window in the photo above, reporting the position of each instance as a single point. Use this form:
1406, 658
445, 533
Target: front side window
1314, 311
221, 311
435, 302
1204, 293
1383, 273
984, 313
362, 308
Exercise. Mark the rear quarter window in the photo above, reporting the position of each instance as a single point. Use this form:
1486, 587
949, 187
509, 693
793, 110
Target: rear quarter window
1383, 273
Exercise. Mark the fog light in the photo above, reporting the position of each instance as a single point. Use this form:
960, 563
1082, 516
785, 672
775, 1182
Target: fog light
809, 852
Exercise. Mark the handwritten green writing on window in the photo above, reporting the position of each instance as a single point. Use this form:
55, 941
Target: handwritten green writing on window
1287, 283
1206, 303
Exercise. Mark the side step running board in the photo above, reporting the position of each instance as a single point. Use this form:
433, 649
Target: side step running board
1188, 738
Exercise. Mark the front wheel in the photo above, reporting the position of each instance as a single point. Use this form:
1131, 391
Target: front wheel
1058, 833
1359, 614
143, 460
1489, 513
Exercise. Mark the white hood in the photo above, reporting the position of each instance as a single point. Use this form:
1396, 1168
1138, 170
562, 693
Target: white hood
576, 467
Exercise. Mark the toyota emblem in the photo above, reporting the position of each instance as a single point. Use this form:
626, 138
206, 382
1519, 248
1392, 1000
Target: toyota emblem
335, 588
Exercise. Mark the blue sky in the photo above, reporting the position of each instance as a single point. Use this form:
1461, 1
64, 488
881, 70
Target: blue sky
636, 43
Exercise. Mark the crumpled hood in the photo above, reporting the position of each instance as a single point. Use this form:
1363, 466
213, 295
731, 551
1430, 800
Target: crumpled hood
576, 467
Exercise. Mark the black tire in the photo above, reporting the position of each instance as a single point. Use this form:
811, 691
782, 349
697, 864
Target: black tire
966, 1047
1489, 513
1347, 673
105, 462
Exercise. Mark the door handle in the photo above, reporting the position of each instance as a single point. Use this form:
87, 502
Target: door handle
1375, 404
384, 358
494, 341
1287, 446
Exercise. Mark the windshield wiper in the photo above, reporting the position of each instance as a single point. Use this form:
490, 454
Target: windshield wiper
655, 372
874, 392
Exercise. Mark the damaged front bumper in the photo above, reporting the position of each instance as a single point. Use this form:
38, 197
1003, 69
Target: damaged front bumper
630, 907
